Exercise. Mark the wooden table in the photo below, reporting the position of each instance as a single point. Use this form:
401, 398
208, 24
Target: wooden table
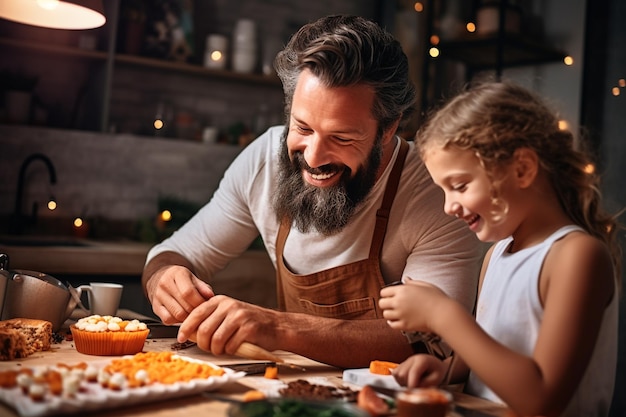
198, 405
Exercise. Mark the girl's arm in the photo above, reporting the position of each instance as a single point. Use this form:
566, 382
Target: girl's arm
576, 285
423, 370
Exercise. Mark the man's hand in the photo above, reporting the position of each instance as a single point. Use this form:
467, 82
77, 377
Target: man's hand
221, 324
172, 288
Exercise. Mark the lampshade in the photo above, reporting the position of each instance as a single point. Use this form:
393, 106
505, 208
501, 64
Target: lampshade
55, 14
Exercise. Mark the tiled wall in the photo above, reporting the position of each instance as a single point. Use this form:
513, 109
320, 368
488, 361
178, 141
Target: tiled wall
140, 93
114, 176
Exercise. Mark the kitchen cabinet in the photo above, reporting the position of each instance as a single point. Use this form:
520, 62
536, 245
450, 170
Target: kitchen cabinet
91, 59
481, 50
498, 51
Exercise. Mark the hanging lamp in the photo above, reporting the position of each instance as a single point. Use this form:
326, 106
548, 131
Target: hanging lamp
55, 14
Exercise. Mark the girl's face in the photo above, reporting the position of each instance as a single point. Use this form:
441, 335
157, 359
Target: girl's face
467, 190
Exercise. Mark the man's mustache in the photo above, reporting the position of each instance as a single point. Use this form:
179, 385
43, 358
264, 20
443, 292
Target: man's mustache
300, 163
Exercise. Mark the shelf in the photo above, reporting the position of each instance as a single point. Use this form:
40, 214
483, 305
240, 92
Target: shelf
480, 52
144, 62
183, 67
53, 49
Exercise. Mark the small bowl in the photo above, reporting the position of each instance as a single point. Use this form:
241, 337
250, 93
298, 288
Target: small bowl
423, 402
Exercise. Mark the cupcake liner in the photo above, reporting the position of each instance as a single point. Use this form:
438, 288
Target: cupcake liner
109, 343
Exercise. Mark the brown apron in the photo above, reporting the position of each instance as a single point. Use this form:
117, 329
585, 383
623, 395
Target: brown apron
347, 291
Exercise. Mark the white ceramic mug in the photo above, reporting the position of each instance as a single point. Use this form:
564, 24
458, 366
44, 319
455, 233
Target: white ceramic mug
103, 297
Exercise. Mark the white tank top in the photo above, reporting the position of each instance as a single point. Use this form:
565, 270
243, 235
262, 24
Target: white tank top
509, 309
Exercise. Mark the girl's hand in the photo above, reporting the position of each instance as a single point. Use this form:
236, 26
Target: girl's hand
420, 371
411, 306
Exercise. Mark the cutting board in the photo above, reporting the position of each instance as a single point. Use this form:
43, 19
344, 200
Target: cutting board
363, 377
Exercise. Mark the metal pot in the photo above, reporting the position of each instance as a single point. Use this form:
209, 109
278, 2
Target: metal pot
34, 295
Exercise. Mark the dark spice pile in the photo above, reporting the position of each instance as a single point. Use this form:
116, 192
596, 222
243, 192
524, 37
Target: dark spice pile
56, 338
303, 389
181, 346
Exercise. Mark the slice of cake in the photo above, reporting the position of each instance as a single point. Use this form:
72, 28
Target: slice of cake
12, 345
35, 337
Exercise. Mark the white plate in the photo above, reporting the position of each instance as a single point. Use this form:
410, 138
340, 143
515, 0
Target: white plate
94, 397
363, 376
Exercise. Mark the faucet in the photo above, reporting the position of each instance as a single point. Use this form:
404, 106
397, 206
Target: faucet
18, 223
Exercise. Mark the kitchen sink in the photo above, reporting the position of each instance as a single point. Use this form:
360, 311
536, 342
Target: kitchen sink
41, 241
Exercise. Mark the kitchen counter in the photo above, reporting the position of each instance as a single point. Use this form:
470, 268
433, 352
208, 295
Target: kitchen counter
75, 256
198, 405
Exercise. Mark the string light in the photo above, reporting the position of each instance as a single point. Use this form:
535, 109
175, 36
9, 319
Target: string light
471, 27
589, 168
78, 222
158, 124
216, 55
419, 7
563, 125
621, 83
52, 205
166, 215
434, 52
568, 60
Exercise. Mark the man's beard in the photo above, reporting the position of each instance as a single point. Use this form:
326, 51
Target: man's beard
326, 210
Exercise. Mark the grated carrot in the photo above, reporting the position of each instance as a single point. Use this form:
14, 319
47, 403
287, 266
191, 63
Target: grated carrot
253, 395
161, 367
271, 372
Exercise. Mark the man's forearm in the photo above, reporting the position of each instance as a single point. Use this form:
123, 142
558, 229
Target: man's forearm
343, 343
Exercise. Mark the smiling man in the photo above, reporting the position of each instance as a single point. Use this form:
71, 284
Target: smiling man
329, 162
344, 206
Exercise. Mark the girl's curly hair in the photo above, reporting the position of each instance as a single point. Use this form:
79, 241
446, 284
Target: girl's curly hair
493, 119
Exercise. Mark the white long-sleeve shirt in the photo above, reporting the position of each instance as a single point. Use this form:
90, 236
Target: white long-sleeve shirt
422, 242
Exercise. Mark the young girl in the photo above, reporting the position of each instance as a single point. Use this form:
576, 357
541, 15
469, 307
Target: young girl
544, 340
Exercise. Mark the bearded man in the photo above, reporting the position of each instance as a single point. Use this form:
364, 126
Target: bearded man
344, 207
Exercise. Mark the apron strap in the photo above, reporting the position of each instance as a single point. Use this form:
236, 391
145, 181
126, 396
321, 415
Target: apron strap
382, 215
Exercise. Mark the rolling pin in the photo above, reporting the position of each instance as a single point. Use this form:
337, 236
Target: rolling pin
251, 351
